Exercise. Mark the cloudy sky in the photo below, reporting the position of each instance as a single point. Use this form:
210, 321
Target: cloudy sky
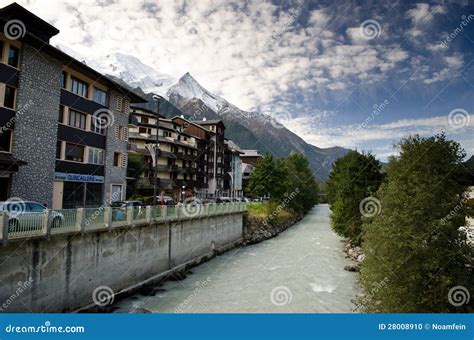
348, 73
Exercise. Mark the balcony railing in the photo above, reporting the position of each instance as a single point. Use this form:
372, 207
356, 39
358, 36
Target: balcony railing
83, 220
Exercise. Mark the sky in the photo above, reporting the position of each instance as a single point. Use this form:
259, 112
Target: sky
357, 74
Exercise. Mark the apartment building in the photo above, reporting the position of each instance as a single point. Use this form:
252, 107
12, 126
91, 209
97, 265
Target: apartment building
217, 165
249, 159
63, 125
177, 159
233, 178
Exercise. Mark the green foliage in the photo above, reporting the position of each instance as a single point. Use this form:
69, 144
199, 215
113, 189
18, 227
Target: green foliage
354, 177
414, 251
269, 177
300, 181
135, 168
289, 181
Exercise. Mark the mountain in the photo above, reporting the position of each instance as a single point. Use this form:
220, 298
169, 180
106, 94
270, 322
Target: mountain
251, 130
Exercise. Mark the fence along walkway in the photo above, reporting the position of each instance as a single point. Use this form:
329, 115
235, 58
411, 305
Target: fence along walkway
64, 221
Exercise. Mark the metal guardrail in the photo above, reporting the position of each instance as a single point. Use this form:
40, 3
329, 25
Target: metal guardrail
64, 221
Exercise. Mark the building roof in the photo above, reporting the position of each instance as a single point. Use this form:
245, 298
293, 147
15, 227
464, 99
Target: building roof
250, 153
233, 146
38, 32
209, 122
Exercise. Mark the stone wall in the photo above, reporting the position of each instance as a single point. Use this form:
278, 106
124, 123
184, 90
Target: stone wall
61, 274
114, 174
36, 125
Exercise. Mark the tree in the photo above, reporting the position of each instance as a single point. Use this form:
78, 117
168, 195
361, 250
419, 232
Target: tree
300, 181
415, 253
354, 177
269, 177
135, 168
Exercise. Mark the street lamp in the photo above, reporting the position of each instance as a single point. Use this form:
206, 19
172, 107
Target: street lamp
156, 150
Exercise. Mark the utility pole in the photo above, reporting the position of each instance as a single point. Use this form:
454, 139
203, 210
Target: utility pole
157, 148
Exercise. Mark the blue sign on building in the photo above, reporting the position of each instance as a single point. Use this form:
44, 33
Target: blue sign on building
65, 177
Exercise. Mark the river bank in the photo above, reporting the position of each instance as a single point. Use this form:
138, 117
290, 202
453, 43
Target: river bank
301, 270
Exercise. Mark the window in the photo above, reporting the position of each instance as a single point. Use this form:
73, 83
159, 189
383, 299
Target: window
77, 119
166, 133
9, 99
34, 207
116, 193
59, 146
63, 79
144, 120
96, 156
98, 125
74, 152
79, 87
13, 56
100, 96
117, 159
5, 140
61, 114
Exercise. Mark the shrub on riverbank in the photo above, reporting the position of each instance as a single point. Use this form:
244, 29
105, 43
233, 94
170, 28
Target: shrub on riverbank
354, 178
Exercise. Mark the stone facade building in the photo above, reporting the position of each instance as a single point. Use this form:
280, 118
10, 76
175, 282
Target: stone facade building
63, 125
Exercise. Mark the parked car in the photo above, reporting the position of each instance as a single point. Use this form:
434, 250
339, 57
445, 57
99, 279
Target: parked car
29, 215
223, 200
162, 200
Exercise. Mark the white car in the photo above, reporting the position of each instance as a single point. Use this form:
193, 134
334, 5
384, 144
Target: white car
23, 215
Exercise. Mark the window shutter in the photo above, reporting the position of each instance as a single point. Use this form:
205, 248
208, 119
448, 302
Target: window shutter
125, 134
124, 160
117, 132
120, 104
126, 105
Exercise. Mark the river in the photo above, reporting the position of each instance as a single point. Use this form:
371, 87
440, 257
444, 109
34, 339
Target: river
299, 271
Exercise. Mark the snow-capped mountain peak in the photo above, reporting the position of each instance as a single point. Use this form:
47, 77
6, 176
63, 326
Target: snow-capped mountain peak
188, 88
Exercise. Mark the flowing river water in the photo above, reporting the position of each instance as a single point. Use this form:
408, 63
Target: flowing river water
300, 270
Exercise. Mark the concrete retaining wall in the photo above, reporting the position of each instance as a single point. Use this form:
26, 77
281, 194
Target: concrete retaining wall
61, 274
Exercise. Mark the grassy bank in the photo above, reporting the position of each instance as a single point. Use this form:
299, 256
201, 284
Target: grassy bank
271, 213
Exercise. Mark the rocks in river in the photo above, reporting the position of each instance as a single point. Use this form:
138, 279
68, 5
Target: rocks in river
256, 231
352, 268
355, 254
